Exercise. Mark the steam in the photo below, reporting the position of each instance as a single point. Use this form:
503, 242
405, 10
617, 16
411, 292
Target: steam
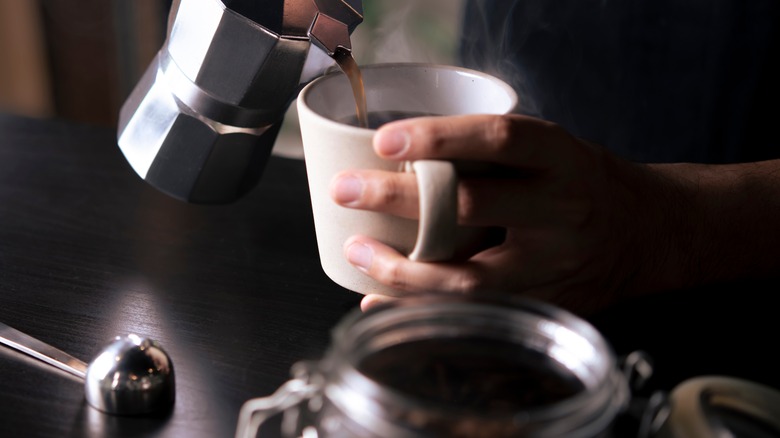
486, 35
491, 41
410, 31
393, 42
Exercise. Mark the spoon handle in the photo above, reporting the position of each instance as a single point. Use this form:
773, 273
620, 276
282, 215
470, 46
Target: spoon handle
41, 351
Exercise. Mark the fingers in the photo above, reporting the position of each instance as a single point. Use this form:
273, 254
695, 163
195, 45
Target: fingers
570, 298
373, 300
530, 146
386, 192
495, 270
501, 139
391, 268
481, 202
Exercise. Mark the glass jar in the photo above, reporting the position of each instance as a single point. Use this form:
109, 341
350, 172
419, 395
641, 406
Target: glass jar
454, 367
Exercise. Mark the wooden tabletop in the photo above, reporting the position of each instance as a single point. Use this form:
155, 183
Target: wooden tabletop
235, 293
89, 251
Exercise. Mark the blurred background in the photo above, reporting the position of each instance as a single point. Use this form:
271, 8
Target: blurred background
79, 59
75, 59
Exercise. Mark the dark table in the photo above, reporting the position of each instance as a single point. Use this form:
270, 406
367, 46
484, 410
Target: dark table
235, 293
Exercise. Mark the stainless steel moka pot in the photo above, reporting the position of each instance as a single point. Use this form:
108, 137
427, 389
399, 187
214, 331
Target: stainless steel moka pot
201, 123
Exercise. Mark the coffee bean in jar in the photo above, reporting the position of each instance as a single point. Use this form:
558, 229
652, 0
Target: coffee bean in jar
458, 367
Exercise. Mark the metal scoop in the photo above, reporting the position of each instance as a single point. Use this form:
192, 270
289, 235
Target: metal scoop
132, 375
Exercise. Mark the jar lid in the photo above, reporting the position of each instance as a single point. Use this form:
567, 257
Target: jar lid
719, 406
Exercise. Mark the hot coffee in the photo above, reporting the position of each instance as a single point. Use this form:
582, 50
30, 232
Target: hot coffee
375, 119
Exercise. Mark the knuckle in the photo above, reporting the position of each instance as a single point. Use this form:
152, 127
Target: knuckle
392, 274
433, 141
499, 132
468, 205
390, 192
467, 281
431, 138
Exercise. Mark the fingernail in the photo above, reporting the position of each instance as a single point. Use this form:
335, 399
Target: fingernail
360, 255
391, 142
347, 189
370, 301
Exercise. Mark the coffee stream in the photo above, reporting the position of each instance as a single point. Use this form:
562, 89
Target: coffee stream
362, 117
348, 65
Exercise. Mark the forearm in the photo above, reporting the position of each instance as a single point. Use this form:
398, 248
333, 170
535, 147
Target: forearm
717, 223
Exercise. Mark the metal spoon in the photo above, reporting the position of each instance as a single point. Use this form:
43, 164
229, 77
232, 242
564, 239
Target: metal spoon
131, 376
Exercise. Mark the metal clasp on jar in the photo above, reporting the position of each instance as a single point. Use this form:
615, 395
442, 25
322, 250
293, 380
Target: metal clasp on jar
303, 387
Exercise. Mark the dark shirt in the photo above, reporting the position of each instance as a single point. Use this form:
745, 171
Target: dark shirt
652, 80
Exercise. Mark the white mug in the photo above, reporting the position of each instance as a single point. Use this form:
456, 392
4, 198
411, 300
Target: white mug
330, 146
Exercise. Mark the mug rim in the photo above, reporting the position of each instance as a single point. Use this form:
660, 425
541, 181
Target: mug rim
303, 105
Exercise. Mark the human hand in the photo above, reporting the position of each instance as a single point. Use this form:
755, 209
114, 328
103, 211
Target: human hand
576, 217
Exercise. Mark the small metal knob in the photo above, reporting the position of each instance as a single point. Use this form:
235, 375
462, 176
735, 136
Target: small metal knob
131, 376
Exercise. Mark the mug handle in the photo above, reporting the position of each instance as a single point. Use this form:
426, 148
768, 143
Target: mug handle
438, 187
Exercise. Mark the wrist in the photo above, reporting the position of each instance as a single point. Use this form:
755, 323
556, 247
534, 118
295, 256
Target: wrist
709, 223
664, 212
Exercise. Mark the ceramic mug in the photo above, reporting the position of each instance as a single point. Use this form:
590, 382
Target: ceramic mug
332, 145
